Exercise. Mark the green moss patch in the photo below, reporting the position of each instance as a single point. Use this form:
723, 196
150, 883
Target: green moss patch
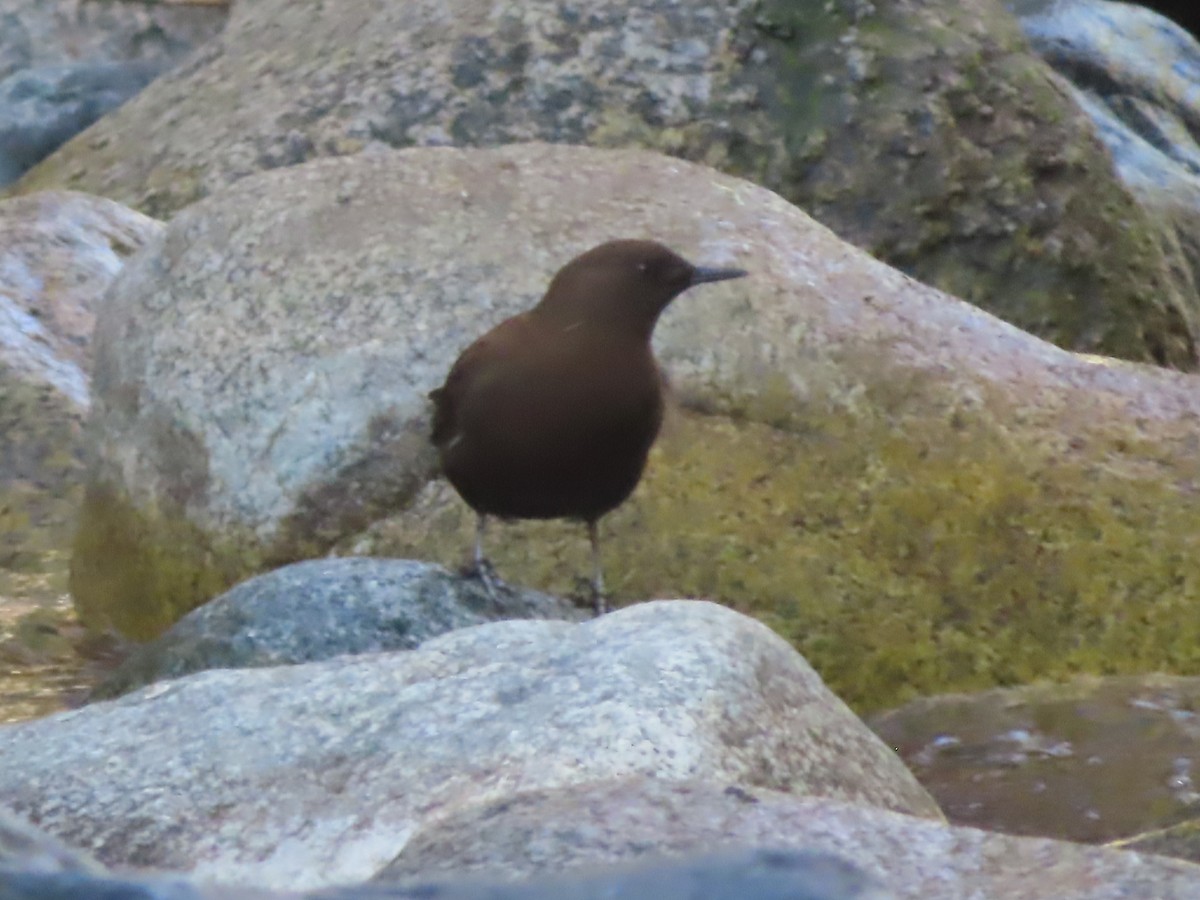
138, 571
900, 558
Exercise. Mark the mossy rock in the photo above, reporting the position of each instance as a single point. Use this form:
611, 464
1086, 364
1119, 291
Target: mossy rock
138, 571
929, 136
901, 560
917, 495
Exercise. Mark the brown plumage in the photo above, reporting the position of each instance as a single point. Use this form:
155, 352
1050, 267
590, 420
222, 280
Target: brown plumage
552, 413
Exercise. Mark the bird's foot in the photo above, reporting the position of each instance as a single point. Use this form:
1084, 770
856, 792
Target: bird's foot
587, 593
485, 572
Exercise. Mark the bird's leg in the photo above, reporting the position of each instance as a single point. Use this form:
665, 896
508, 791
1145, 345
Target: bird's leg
483, 568
597, 572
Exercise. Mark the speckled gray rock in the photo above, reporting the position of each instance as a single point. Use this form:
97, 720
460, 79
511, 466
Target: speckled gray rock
59, 250
558, 830
58, 253
318, 774
323, 608
970, 169
1135, 73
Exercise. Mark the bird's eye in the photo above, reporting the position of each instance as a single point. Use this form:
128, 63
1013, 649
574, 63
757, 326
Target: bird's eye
643, 267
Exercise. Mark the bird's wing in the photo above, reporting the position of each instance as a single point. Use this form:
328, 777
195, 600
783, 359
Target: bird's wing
469, 370
443, 416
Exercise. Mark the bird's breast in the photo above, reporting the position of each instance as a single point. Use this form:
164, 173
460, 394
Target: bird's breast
565, 410
592, 397
558, 433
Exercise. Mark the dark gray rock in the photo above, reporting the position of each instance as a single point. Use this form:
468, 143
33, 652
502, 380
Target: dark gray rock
323, 608
36, 33
758, 874
26, 849
74, 886
63, 64
41, 109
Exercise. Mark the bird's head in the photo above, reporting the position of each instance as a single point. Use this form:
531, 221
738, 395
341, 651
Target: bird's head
623, 286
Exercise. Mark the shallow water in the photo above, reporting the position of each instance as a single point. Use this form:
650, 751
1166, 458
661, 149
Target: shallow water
1093, 760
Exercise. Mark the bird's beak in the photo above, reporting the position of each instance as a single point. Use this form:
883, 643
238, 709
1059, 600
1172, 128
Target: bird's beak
701, 275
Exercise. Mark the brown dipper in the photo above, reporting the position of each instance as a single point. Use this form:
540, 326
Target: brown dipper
552, 413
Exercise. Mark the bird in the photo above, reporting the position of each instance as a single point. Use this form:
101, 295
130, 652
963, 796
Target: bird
552, 413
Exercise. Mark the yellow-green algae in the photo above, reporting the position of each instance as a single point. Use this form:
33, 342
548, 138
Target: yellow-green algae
137, 571
1181, 841
900, 560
